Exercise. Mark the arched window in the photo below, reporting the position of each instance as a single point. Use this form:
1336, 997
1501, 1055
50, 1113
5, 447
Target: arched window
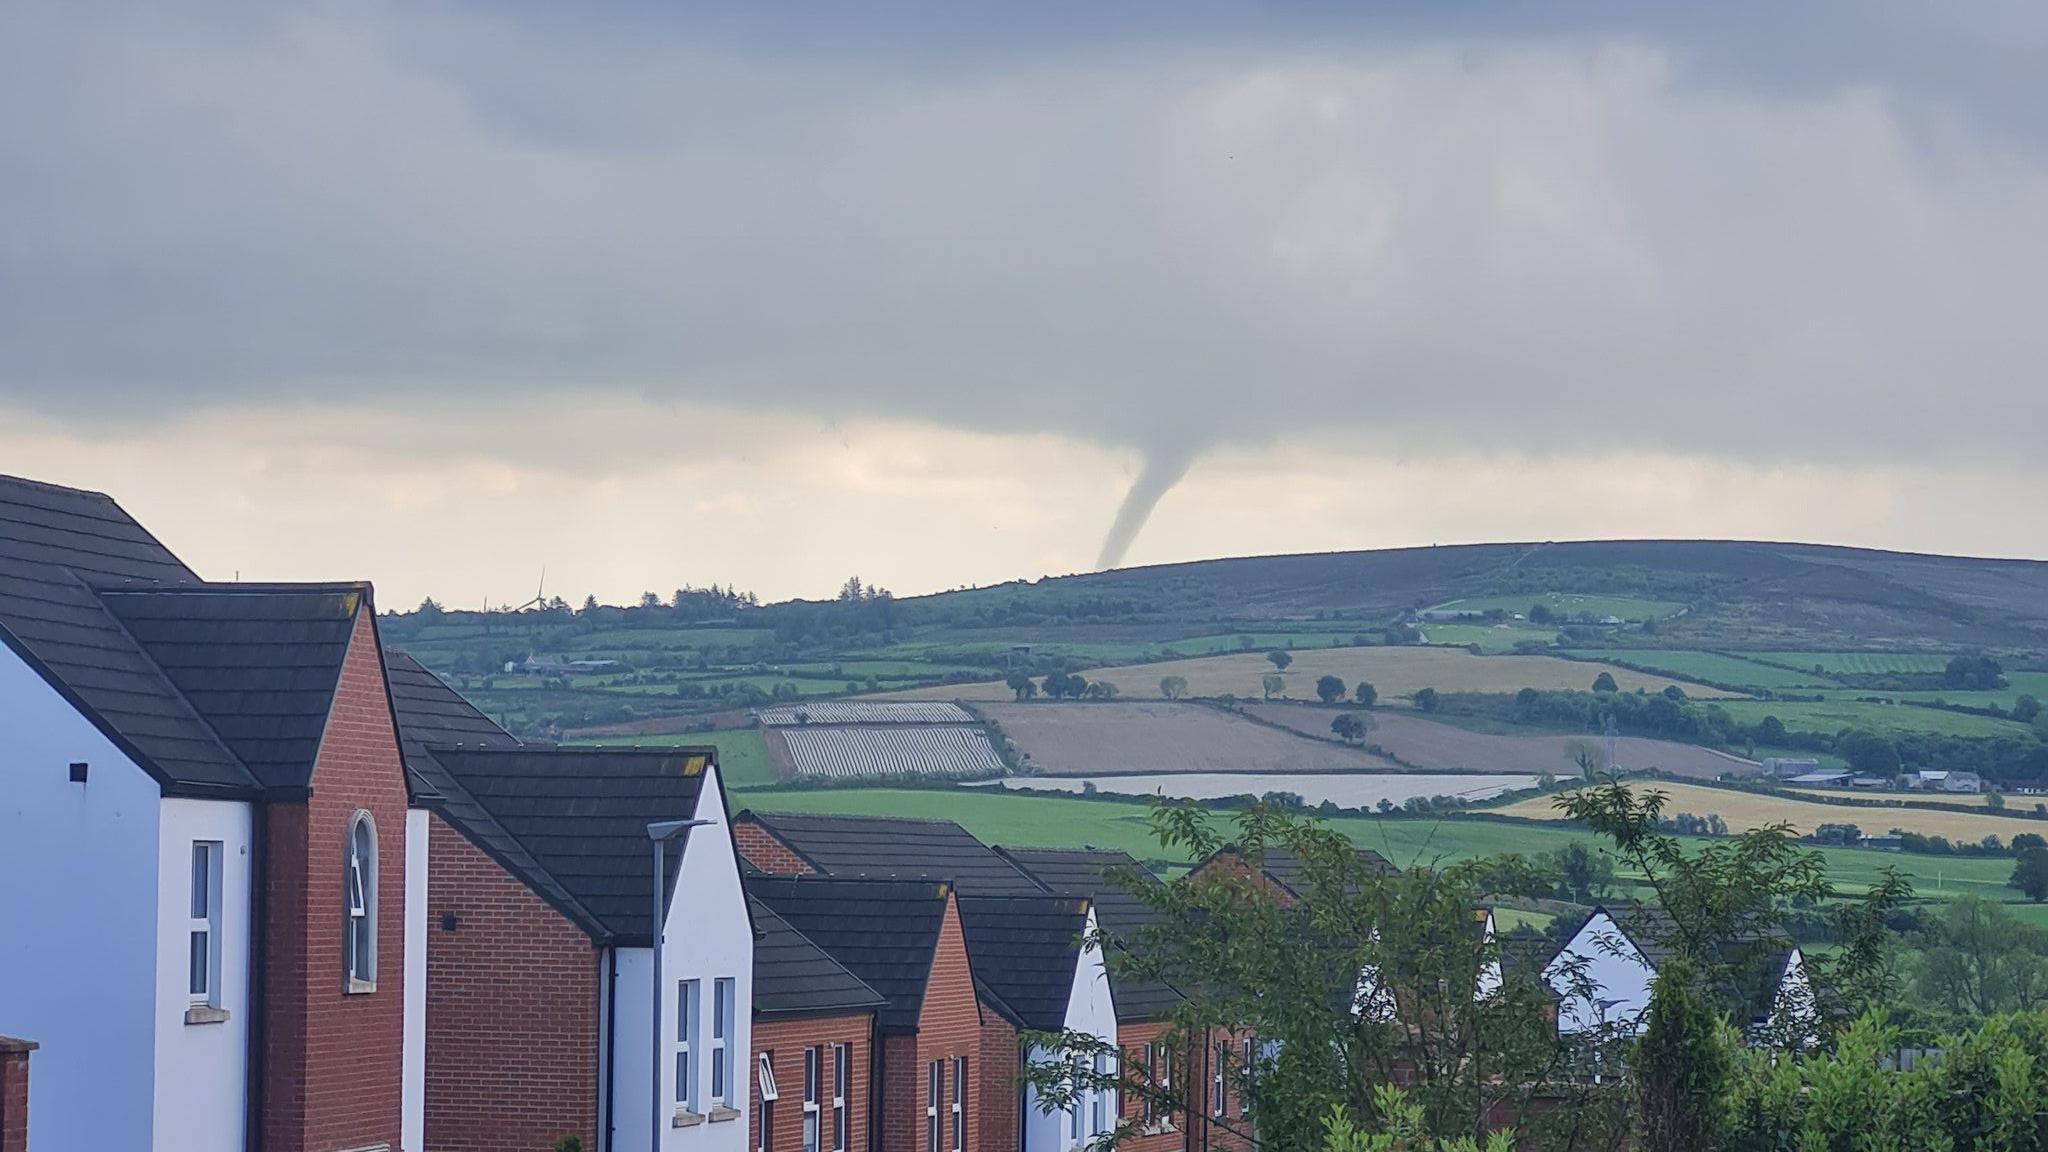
359, 942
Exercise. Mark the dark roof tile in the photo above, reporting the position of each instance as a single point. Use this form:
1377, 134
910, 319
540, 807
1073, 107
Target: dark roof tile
889, 848
1025, 950
885, 932
794, 977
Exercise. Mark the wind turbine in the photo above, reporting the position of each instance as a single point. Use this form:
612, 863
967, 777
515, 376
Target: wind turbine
538, 601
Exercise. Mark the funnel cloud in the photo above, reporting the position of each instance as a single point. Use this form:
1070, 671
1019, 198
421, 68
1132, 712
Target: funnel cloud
1163, 469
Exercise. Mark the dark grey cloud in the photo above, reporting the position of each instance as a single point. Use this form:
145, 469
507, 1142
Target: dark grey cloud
1807, 231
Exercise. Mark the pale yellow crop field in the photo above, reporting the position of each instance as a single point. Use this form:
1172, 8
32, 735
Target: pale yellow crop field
1747, 810
1397, 672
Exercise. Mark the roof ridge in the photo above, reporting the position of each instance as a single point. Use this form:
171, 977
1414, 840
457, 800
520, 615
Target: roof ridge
142, 652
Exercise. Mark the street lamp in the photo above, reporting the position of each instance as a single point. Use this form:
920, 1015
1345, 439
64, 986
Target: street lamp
660, 832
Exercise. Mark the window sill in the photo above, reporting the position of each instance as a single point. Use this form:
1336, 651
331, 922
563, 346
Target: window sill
720, 1113
205, 1014
357, 987
686, 1119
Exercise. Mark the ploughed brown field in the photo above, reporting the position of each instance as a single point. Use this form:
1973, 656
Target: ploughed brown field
1097, 739
1397, 672
1433, 747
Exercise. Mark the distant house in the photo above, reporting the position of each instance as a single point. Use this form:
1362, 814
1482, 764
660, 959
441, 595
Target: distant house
1944, 780
1277, 868
1603, 976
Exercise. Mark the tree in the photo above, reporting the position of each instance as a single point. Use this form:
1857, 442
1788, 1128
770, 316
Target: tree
589, 605
1021, 684
1173, 687
1280, 658
2026, 840
1604, 682
1868, 753
1365, 694
649, 600
1682, 1066
1427, 699
852, 590
1329, 689
1839, 835
1583, 875
1351, 727
1590, 757
1340, 1014
2030, 874
1973, 673
1995, 801
1976, 959
1541, 614
2025, 709
1271, 683
429, 609
1771, 731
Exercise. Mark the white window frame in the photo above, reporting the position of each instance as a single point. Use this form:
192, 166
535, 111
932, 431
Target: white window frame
1164, 1085
722, 993
934, 1075
813, 1122
1244, 1091
1074, 1101
688, 1005
359, 904
1098, 1097
766, 1093
959, 1099
1218, 1088
1151, 1067
202, 953
842, 1076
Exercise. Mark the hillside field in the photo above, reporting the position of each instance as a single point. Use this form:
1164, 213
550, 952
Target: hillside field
1429, 746
1098, 738
1397, 672
1020, 820
1745, 811
1710, 666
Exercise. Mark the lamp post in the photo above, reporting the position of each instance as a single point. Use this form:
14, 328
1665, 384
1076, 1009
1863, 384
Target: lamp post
660, 832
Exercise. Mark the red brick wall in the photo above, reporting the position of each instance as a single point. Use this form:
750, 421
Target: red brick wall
785, 1041
512, 1002
331, 1060
1132, 1038
766, 852
949, 1025
14, 1094
1000, 1093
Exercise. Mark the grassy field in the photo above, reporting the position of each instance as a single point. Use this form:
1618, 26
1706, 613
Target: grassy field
742, 757
1020, 820
1568, 605
1396, 672
1710, 666
1748, 810
1831, 716
1085, 739
1853, 663
1489, 637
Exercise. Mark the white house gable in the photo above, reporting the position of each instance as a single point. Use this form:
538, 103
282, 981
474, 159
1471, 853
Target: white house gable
1602, 978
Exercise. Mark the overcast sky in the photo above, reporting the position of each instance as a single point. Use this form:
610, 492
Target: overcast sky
443, 294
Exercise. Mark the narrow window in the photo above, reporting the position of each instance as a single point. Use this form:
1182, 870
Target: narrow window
842, 1075
932, 1076
721, 1038
1074, 1108
686, 1044
1166, 1084
203, 975
1244, 1093
959, 1103
1147, 1070
764, 1086
810, 1100
1216, 1088
360, 880
1098, 1097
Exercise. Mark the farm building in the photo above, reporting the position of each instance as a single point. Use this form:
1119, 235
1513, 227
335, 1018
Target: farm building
1943, 780
1822, 779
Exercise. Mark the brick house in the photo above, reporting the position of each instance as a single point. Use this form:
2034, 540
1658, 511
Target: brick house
1144, 1008
814, 1032
1277, 869
901, 938
537, 1001
204, 779
1029, 980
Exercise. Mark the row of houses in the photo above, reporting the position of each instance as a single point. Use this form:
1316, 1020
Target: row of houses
274, 886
